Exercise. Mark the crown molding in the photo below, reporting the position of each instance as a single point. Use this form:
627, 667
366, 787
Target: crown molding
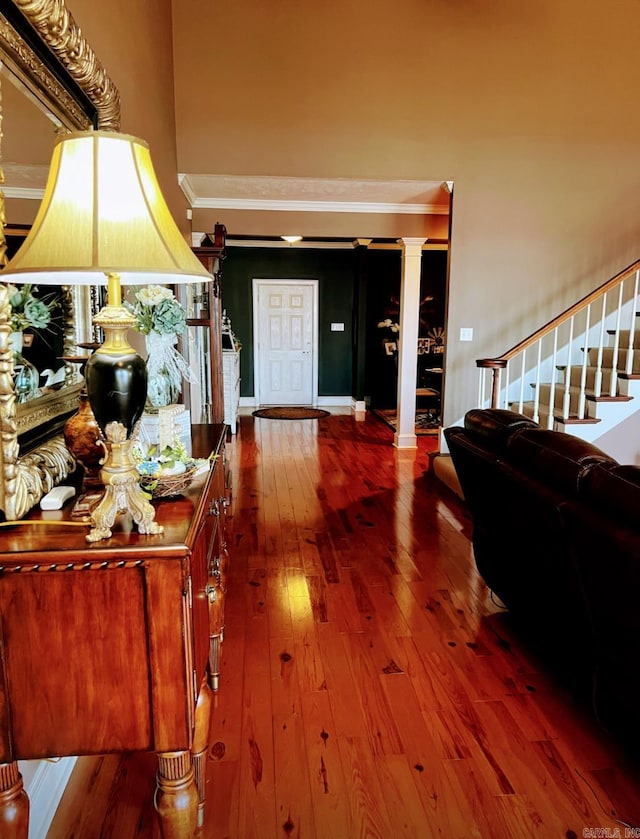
314, 195
22, 180
318, 206
30, 193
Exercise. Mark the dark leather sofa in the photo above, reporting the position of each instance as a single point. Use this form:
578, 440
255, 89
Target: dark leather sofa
556, 536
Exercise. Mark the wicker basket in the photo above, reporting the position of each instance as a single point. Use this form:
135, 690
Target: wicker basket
168, 486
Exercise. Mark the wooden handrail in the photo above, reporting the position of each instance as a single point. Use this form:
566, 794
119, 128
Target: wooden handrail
492, 363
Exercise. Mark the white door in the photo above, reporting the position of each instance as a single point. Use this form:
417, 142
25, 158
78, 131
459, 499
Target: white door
285, 342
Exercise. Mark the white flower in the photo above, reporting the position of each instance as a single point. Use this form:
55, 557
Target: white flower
151, 295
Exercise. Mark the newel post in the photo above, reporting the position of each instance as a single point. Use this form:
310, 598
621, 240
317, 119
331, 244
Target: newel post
496, 365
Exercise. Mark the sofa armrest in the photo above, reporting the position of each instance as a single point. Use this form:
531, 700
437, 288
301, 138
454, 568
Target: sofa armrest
494, 426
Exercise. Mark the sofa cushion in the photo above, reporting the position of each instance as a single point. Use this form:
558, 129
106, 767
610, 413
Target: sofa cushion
614, 491
555, 457
605, 538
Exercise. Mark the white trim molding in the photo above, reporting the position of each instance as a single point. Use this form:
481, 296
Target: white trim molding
314, 195
250, 403
318, 206
45, 782
334, 401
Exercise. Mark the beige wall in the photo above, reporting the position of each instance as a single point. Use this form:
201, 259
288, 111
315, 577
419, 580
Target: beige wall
133, 40
530, 108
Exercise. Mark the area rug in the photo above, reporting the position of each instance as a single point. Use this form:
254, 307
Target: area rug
291, 413
427, 422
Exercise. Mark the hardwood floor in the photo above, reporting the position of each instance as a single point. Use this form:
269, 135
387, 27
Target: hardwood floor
370, 687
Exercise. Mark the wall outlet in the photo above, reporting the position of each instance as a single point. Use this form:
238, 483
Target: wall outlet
466, 333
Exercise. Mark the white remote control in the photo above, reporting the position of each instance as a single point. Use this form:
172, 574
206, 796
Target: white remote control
54, 499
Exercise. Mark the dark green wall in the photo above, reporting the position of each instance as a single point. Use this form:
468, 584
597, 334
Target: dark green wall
355, 288
335, 271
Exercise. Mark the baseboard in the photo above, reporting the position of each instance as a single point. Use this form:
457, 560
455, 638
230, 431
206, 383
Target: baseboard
45, 782
442, 467
334, 401
321, 402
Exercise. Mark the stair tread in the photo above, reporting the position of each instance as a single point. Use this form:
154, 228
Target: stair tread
570, 420
604, 367
589, 394
619, 398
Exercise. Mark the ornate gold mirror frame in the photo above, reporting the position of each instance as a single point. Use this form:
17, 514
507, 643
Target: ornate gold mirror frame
43, 47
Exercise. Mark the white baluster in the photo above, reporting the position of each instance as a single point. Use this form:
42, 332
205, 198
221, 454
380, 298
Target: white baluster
632, 326
536, 399
598, 377
582, 404
481, 385
566, 401
506, 385
613, 387
554, 373
522, 372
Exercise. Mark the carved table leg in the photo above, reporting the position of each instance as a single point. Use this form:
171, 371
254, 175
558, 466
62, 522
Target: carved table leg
201, 744
216, 594
214, 661
14, 803
176, 796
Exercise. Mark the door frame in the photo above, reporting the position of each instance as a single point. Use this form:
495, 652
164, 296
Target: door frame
257, 285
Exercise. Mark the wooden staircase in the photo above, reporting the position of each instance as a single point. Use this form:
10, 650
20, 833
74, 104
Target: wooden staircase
598, 381
552, 379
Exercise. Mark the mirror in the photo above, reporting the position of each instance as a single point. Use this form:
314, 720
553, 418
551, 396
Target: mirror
51, 82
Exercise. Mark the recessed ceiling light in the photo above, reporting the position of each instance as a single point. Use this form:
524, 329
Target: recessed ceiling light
291, 239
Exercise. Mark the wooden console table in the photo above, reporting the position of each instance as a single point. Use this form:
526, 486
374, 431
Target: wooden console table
113, 645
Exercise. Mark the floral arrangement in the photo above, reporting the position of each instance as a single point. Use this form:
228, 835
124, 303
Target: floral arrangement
157, 310
27, 310
161, 318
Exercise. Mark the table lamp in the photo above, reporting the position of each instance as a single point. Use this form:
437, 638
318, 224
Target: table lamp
103, 220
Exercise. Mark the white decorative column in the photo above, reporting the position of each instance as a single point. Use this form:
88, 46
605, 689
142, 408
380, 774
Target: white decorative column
405, 436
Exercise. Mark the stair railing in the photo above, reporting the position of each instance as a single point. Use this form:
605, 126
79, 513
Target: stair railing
570, 347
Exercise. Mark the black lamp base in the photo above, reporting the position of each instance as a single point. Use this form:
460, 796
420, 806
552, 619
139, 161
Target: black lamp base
116, 378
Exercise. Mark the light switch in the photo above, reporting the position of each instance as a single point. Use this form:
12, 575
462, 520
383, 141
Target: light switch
466, 333
337, 327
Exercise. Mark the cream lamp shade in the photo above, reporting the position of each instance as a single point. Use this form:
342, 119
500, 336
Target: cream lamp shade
103, 213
